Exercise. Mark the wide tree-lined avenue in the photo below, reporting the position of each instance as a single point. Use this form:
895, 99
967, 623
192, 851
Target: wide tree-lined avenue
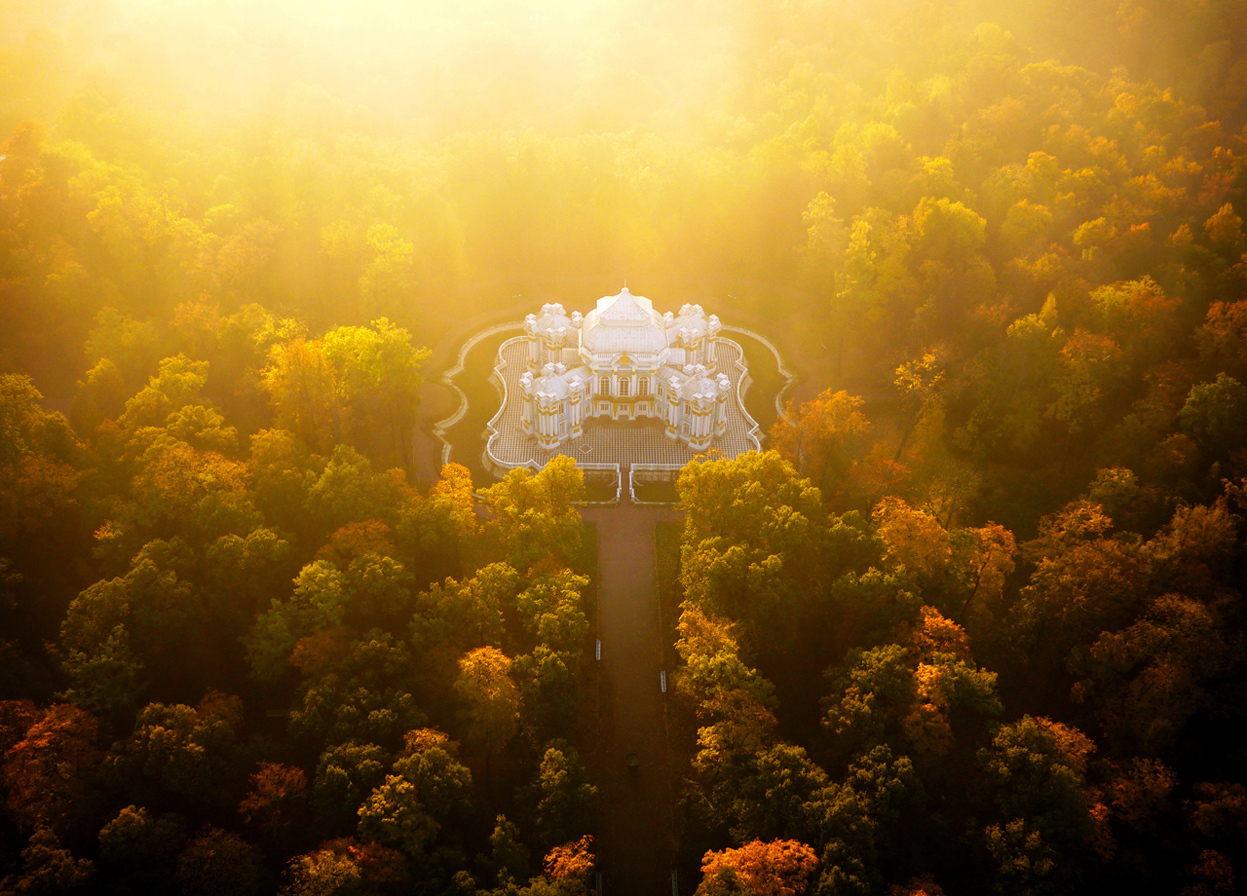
634, 816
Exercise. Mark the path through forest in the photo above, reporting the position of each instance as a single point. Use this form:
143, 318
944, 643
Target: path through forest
634, 820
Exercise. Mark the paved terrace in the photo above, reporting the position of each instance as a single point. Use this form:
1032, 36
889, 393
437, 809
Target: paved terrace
608, 441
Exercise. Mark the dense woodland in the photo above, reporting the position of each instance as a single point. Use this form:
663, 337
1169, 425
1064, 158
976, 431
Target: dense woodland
975, 625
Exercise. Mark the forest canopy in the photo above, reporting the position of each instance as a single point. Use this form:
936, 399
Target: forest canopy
973, 622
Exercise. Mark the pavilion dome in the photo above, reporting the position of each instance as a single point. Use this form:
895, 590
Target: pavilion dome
553, 381
552, 319
699, 383
624, 323
692, 318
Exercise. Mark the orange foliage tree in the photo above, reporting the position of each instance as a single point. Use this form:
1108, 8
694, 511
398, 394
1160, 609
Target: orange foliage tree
778, 868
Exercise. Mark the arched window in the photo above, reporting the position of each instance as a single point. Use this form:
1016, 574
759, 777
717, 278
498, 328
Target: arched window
642, 387
623, 386
604, 386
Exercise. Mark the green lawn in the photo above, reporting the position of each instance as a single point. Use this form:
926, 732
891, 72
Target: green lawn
656, 491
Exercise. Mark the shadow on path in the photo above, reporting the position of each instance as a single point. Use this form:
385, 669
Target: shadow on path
634, 847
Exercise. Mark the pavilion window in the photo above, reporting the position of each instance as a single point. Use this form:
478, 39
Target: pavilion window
623, 388
604, 385
642, 387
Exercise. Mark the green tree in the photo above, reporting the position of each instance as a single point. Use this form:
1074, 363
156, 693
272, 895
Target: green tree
563, 798
547, 683
47, 867
179, 383
714, 676
338, 707
866, 821
395, 815
472, 612
775, 795
318, 603
380, 592
533, 517
376, 380
345, 775
1139, 317
508, 857
751, 548
551, 610
348, 491
38, 452
188, 752
1215, 415
300, 381
429, 760
1036, 771
355, 385
438, 531
282, 473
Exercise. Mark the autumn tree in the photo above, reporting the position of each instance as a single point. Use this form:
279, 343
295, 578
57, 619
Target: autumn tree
777, 868
490, 697
354, 385
572, 862
277, 797
824, 440
1148, 678
49, 773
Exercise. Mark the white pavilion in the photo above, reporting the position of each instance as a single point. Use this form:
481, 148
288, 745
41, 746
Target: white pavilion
624, 361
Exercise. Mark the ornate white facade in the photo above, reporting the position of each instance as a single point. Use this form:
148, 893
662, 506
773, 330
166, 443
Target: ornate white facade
625, 361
